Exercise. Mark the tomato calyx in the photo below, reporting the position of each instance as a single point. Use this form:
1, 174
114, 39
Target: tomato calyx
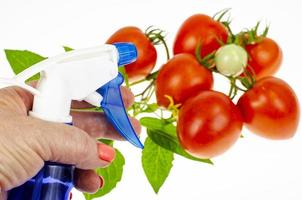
220, 14
219, 18
157, 37
251, 36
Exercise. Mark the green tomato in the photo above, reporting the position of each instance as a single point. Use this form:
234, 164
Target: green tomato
231, 60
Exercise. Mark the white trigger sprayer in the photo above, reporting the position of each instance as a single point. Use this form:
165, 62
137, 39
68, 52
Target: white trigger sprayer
87, 74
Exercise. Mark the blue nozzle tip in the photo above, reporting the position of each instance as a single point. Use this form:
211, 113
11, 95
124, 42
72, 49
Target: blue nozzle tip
127, 52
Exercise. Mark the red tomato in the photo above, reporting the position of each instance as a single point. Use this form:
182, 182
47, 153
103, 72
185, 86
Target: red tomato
200, 28
146, 51
265, 57
208, 124
270, 109
181, 77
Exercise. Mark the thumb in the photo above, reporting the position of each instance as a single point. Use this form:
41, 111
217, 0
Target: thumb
70, 145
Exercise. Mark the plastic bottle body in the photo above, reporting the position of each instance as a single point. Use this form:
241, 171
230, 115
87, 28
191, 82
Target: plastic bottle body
53, 182
68, 78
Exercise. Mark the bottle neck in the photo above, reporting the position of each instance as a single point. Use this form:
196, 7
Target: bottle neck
51, 109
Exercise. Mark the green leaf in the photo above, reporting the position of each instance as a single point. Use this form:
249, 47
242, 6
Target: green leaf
170, 142
151, 108
158, 124
111, 174
66, 48
157, 163
106, 141
20, 60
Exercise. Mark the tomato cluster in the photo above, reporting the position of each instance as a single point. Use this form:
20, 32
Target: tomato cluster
208, 121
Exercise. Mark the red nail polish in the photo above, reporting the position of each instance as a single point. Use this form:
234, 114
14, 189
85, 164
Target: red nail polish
101, 182
106, 152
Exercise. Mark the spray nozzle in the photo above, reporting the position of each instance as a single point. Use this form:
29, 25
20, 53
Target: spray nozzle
86, 74
112, 102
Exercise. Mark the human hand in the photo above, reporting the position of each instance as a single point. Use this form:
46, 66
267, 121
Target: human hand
26, 142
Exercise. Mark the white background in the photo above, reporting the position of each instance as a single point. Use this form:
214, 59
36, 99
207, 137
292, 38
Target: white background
255, 168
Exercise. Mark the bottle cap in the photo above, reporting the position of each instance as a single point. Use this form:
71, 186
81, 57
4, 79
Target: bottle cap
127, 53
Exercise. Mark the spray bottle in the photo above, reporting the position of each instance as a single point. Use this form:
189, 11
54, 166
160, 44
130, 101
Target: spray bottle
87, 74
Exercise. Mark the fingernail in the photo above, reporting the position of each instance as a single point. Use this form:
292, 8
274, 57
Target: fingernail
101, 182
106, 152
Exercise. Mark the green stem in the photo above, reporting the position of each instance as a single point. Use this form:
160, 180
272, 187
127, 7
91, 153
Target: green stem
137, 82
156, 36
241, 89
152, 75
208, 58
148, 87
122, 70
148, 93
234, 93
232, 89
166, 49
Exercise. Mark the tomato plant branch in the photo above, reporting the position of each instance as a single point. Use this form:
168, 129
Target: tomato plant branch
137, 82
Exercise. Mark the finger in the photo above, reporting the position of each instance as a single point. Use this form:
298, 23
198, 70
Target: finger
3, 194
97, 126
127, 95
80, 104
68, 144
88, 181
15, 100
26, 96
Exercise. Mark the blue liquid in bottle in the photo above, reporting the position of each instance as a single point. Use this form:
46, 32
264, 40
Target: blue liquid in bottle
53, 182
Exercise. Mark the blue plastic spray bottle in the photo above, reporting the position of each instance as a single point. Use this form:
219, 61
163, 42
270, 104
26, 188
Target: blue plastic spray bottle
87, 74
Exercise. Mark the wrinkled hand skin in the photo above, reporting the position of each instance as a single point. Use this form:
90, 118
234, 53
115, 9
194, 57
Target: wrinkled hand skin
26, 142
